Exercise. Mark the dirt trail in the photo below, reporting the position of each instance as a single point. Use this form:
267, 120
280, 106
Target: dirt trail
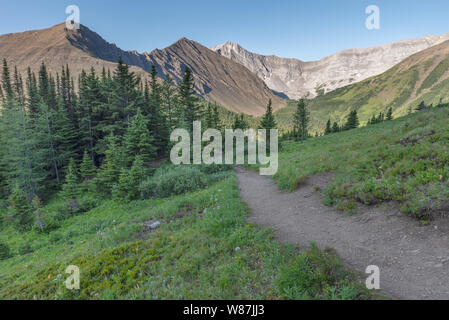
413, 260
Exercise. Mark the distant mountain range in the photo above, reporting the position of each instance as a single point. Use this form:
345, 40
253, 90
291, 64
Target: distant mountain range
372, 79
423, 76
296, 78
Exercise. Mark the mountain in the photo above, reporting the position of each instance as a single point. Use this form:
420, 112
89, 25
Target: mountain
216, 77
423, 76
296, 78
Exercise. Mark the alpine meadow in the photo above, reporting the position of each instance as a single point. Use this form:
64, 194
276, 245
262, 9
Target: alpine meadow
207, 174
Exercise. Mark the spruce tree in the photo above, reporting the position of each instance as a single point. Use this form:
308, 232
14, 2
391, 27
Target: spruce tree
390, 114
130, 179
109, 172
328, 129
301, 120
138, 140
20, 212
187, 100
70, 189
268, 121
352, 121
87, 168
335, 128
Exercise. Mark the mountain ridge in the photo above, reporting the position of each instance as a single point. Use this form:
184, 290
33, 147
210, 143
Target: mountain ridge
296, 78
236, 88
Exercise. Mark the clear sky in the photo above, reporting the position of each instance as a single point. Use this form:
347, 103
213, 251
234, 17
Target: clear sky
304, 29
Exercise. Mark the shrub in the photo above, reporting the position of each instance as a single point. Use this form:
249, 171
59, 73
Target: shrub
215, 168
169, 180
173, 180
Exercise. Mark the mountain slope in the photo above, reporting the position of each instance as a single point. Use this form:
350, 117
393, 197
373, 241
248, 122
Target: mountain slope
216, 78
423, 76
296, 78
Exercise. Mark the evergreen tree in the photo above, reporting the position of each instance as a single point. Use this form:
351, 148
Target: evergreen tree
328, 129
353, 121
335, 128
187, 100
130, 179
390, 114
87, 168
33, 95
169, 102
138, 140
70, 190
301, 120
123, 99
20, 212
268, 121
239, 122
9, 93
109, 172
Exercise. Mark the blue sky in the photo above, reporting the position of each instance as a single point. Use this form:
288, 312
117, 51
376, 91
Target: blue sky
304, 29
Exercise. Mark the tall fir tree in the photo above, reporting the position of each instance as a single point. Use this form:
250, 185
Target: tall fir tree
301, 120
138, 140
328, 128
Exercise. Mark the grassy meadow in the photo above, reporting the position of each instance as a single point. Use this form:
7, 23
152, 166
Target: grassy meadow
404, 160
203, 249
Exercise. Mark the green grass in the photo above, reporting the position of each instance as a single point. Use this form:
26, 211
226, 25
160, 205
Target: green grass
203, 249
405, 160
396, 88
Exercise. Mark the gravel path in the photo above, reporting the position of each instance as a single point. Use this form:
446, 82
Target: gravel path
413, 259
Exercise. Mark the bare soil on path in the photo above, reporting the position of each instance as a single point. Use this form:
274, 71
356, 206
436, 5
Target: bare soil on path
413, 259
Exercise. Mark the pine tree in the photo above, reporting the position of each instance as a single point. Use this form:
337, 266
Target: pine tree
70, 189
9, 93
20, 212
138, 140
169, 103
109, 172
87, 168
33, 95
335, 128
239, 122
301, 120
328, 129
390, 114
187, 100
268, 121
123, 98
130, 179
352, 121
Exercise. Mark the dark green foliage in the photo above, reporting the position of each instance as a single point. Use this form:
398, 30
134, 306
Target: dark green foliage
173, 180
130, 179
71, 189
239, 122
301, 119
20, 212
353, 121
87, 168
335, 128
390, 114
187, 100
110, 169
138, 141
328, 129
268, 121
